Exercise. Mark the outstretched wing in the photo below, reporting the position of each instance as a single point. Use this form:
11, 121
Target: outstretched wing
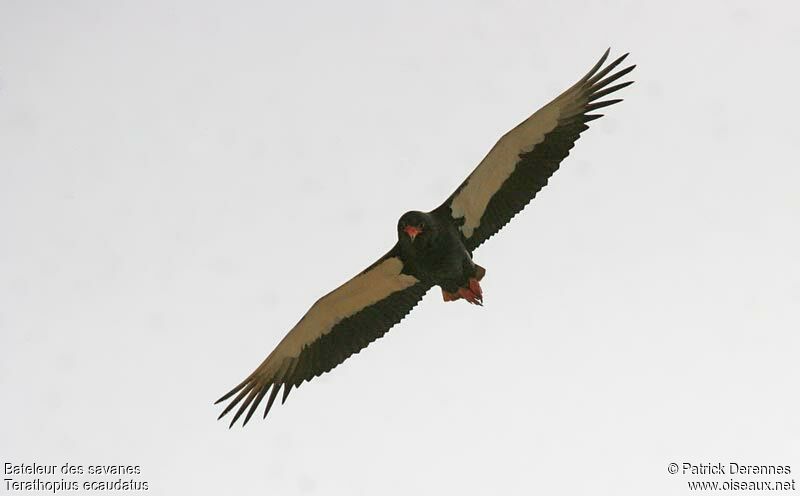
521, 162
338, 325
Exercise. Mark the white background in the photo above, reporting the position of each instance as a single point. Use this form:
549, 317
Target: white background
179, 181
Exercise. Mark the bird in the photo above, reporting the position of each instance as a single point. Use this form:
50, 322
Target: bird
433, 248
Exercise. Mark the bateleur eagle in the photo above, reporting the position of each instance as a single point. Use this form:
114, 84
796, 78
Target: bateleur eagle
433, 248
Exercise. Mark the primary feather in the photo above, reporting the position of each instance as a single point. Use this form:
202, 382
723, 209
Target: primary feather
437, 247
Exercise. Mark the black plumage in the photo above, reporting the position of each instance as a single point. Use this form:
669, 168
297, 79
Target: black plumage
433, 248
536, 166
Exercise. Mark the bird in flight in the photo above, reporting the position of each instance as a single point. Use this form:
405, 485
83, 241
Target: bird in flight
433, 248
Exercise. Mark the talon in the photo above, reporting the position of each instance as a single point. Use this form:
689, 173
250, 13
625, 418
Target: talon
470, 296
473, 293
475, 287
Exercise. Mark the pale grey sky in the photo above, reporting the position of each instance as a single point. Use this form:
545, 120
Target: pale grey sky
179, 181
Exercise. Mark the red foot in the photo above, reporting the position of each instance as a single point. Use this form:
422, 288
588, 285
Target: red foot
472, 294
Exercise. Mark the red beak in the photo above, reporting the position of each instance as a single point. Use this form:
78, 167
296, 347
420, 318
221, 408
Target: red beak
412, 231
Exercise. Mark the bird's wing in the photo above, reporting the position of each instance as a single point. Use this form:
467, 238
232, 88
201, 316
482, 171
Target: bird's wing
521, 162
338, 325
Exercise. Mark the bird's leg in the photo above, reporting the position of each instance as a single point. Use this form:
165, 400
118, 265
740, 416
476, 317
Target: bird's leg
475, 287
472, 293
448, 296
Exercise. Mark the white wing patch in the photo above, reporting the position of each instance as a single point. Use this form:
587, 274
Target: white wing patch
365, 289
359, 292
500, 163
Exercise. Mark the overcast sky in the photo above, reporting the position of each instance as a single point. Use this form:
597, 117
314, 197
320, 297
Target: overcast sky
179, 181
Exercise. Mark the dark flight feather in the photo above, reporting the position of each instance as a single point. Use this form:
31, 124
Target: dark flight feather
363, 309
536, 166
347, 337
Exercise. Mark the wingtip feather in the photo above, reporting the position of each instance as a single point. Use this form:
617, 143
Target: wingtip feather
600, 84
286, 389
255, 404
607, 91
238, 398
233, 391
607, 69
596, 66
272, 396
599, 105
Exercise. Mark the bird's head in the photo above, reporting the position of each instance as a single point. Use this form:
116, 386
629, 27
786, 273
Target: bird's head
416, 229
